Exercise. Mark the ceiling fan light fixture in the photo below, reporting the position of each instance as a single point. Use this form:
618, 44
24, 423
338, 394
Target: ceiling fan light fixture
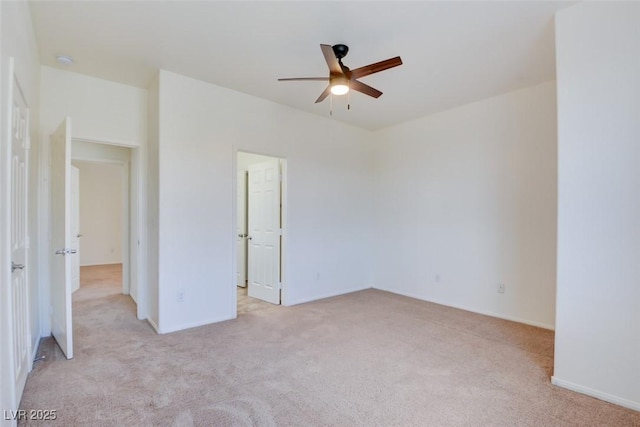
339, 89
341, 78
339, 85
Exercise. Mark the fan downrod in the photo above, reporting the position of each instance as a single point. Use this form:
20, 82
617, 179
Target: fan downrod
340, 50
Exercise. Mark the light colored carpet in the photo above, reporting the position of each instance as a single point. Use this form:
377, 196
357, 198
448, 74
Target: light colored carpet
369, 358
98, 281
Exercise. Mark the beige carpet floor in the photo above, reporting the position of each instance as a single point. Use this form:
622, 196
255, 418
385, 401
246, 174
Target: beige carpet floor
368, 358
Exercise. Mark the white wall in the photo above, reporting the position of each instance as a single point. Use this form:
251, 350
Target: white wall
469, 195
17, 40
597, 348
246, 159
100, 109
101, 212
329, 198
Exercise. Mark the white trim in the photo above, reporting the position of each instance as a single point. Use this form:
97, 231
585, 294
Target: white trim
138, 230
234, 228
34, 353
328, 295
153, 325
101, 263
116, 142
595, 393
183, 326
284, 295
472, 310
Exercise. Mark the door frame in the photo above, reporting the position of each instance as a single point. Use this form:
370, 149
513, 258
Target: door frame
125, 238
138, 224
283, 212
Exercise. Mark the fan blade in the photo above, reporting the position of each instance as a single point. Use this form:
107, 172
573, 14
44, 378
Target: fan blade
375, 68
331, 59
324, 94
320, 79
363, 88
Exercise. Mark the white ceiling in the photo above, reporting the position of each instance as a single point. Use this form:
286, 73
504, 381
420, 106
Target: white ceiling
453, 52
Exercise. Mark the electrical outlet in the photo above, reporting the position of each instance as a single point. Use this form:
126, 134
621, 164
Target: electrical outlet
180, 296
500, 288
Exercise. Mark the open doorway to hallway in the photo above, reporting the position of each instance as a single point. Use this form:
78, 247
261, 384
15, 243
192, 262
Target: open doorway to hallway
62, 150
259, 231
100, 216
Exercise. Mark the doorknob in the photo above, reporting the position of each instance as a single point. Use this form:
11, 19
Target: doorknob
15, 266
249, 237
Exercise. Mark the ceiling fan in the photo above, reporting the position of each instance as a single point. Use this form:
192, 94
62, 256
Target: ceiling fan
341, 79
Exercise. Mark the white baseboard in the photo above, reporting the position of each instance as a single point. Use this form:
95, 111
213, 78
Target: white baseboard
95, 264
327, 295
34, 353
473, 310
595, 393
153, 325
184, 326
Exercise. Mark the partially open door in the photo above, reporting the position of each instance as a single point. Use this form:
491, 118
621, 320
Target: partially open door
61, 324
264, 231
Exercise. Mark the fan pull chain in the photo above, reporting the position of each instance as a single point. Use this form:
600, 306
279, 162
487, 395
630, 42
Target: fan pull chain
349, 99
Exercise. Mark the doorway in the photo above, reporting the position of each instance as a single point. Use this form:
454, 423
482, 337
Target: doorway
100, 214
108, 205
259, 231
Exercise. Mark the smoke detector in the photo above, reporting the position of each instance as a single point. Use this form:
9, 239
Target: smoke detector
64, 59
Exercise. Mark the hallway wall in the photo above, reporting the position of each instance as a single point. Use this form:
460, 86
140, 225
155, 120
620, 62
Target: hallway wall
101, 212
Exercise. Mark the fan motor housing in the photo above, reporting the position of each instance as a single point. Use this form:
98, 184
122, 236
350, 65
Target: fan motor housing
340, 50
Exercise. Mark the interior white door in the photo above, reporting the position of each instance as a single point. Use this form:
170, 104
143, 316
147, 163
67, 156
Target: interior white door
19, 239
75, 227
241, 229
264, 231
61, 324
